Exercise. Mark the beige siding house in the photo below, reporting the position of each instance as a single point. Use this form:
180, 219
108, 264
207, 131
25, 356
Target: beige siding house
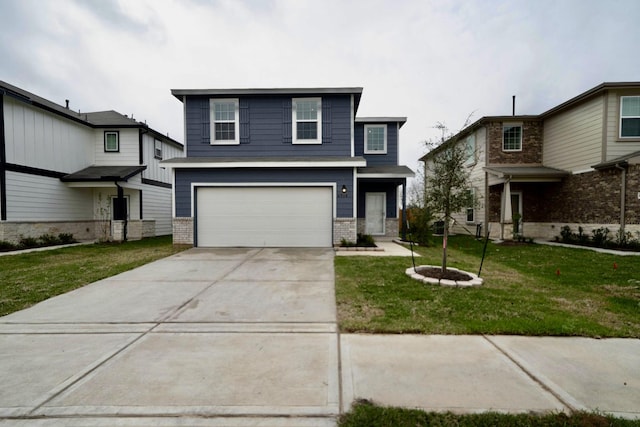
577, 164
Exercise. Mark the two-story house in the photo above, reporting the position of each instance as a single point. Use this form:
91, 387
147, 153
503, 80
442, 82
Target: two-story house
96, 175
577, 164
284, 167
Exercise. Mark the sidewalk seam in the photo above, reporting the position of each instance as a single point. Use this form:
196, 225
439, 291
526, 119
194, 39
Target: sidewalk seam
573, 407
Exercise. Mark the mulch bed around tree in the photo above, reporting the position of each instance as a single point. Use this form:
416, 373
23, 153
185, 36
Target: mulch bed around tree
436, 273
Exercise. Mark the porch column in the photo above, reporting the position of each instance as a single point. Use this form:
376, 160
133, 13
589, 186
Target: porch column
404, 210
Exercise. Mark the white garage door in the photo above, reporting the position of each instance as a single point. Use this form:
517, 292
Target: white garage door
264, 216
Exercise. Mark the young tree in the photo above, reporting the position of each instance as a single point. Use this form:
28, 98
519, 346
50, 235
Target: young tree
447, 182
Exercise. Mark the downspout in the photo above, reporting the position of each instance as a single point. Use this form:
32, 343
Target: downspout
121, 202
623, 193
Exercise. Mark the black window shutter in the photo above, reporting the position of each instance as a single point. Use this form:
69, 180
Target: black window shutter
326, 121
206, 121
244, 121
286, 121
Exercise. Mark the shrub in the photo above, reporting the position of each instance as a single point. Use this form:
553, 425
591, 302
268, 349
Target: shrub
49, 240
420, 226
66, 238
566, 235
365, 240
601, 237
7, 246
28, 242
346, 243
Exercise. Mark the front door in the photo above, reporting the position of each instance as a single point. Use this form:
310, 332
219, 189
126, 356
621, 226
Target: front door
375, 213
516, 208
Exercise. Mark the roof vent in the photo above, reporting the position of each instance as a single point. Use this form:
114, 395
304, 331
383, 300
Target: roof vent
67, 102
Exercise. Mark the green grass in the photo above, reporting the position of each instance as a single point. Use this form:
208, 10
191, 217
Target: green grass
523, 293
367, 415
26, 279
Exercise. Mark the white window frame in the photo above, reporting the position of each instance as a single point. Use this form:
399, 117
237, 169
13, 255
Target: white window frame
212, 112
471, 208
626, 117
512, 125
470, 149
157, 149
117, 134
294, 121
367, 150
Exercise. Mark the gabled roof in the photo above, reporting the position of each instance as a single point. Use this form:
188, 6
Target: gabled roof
356, 91
104, 173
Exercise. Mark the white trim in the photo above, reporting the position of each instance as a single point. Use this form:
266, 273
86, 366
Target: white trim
353, 125
184, 121
385, 175
355, 193
627, 117
173, 193
333, 185
294, 121
252, 164
384, 139
521, 137
236, 121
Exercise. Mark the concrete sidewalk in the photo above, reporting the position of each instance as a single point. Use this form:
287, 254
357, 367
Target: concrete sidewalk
247, 337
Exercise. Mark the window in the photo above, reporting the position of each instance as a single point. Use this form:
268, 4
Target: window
470, 148
157, 149
470, 209
512, 138
375, 139
630, 117
111, 141
307, 119
224, 121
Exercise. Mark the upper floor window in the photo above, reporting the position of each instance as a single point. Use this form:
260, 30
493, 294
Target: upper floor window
112, 141
157, 149
375, 139
511, 137
471, 212
224, 121
307, 120
470, 149
630, 117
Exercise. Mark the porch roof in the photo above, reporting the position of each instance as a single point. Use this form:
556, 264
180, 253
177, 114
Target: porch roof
631, 158
104, 173
527, 173
391, 171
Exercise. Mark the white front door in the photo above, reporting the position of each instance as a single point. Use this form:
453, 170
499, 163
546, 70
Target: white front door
375, 213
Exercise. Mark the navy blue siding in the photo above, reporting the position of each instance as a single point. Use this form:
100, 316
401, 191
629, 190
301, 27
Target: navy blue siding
268, 123
378, 187
391, 158
185, 177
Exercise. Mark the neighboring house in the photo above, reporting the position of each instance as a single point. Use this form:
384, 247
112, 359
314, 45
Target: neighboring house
577, 164
95, 175
285, 167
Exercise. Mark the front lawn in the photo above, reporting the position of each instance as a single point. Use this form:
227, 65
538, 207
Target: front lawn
528, 290
27, 279
365, 414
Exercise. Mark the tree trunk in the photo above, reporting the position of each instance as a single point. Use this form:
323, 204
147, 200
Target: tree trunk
444, 244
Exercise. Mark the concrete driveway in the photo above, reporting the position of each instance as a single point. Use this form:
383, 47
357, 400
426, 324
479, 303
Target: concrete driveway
247, 334
248, 337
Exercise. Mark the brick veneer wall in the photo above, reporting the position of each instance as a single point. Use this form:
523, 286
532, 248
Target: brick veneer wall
587, 198
344, 228
183, 231
531, 144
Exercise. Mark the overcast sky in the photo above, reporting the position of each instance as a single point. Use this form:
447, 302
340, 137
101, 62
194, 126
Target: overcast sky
431, 61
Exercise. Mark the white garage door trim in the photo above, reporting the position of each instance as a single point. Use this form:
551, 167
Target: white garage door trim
311, 227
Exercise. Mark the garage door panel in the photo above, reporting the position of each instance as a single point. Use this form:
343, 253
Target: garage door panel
264, 216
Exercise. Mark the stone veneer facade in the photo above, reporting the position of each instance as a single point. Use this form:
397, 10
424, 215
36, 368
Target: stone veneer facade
13, 231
